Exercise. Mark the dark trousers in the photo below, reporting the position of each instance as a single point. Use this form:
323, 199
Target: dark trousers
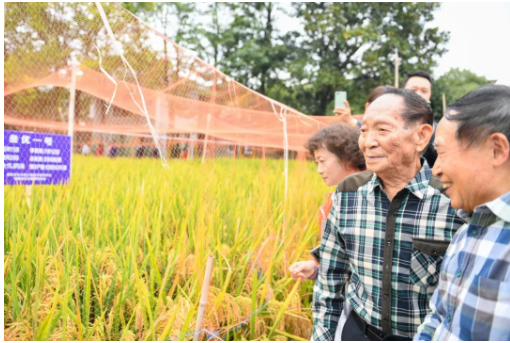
351, 331
355, 329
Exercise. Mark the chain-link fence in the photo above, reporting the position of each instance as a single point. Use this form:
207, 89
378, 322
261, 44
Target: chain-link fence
135, 95
116, 144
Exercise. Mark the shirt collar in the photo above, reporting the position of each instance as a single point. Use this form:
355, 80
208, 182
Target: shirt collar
486, 214
374, 182
465, 216
500, 207
417, 186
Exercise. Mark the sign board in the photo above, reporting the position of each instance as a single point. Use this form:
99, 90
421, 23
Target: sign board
36, 158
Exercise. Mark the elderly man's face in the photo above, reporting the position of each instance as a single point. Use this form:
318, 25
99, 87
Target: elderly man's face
387, 143
464, 171
420, 86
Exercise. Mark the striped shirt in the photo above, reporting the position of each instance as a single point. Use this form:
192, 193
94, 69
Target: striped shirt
472, 300
367, 233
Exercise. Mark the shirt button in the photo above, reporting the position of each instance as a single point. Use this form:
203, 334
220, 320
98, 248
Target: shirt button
474, 232
459, 274
449, 318
386, 295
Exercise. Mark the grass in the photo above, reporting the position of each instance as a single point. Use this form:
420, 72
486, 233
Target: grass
120, 253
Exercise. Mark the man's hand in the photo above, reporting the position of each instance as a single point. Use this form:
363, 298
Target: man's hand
303, 269
344, 114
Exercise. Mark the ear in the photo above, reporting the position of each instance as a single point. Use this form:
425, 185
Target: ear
349, 167
500, 147
366, 106
423, 134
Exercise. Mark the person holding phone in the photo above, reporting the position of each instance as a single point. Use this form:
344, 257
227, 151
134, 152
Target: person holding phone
343, 109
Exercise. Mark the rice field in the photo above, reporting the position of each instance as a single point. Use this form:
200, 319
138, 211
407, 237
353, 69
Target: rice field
120, 253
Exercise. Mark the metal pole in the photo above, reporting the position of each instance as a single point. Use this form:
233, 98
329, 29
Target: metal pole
72, 101
396, 68
206, 137
444, 103
203, 298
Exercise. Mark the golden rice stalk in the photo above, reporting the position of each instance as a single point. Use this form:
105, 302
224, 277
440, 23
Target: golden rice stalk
19, 331
89, 238
283, 308
129, 336
139, 321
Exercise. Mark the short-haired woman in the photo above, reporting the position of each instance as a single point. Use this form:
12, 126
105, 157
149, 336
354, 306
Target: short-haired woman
337, 154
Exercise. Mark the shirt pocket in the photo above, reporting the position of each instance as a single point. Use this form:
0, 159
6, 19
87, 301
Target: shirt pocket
426, 261
487, 304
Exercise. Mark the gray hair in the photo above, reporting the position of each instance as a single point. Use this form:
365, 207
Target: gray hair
480, 113
416, 109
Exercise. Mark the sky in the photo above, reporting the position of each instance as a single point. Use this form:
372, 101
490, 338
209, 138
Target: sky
479, 38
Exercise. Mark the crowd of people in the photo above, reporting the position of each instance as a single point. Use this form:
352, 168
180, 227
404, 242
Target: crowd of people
415, 241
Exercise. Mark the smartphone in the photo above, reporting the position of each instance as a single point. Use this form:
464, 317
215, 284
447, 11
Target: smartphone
340, 97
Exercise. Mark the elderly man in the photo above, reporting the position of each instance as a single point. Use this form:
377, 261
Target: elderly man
472, 300
387, 230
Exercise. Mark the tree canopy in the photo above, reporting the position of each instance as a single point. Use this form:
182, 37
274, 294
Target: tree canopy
336, 46
454, 84
327, 47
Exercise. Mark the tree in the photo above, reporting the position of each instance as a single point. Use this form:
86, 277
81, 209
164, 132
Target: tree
42, 38
39, 39
248, 47
350, 46
341, 46
454, 84
175, 20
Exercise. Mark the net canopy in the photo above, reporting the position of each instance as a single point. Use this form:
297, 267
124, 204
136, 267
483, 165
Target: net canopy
169, 87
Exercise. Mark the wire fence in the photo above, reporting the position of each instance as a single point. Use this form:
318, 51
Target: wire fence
125, 98
138, 95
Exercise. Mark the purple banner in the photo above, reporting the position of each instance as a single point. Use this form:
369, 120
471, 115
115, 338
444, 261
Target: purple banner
36, 158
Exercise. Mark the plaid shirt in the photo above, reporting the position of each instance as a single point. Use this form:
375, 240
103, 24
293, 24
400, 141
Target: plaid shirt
365, 234
472, 300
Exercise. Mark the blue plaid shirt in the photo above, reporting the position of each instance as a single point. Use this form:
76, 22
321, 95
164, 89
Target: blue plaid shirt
472, 300
390, 250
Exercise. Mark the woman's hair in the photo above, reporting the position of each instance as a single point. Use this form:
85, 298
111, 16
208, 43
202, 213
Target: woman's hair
341, 140
376, 92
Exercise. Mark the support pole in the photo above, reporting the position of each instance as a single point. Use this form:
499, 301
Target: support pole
396, 68
444, 103
72, 101
206, 137
203, 298
214, 148
28, 192
264, 157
